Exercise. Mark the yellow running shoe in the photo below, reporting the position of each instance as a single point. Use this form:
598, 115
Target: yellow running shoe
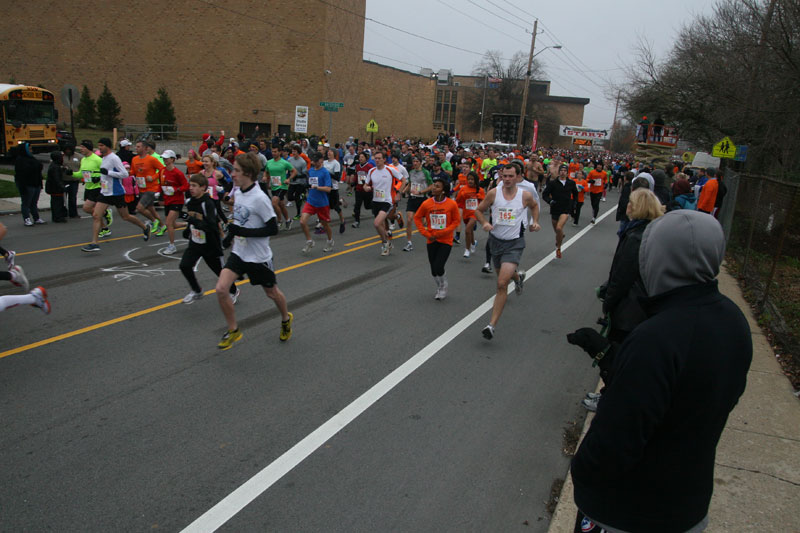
286, 328
230, 337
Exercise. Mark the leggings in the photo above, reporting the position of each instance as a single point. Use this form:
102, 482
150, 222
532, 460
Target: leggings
438, 252
189, 260
576, 211
364, 198
295, 194
14, 300
595, 198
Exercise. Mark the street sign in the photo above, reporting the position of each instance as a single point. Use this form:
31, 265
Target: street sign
725, 149
70, 96
741, 153
331, 106
687, 157
372, 126
301, 119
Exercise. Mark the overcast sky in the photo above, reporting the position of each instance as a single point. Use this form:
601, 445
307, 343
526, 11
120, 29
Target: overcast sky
598, 38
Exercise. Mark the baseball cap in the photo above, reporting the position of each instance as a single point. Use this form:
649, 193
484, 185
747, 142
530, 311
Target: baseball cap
168, 154
125, 142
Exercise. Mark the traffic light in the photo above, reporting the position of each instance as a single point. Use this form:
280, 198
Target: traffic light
505, 127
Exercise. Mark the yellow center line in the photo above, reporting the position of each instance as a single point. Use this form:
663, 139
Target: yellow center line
166, 305
398, 235
75, 245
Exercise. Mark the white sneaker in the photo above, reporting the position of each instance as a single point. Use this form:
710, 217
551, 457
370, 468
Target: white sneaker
466, 253
438, 295
171, 249
235, 296
408, 247
328, 246
590, 404
474, 246
602, 199
307, 248
593, 221
289, 204
41, 299
385, 249
18, 278
39, 221
392, 226
192, 297
29, 222
443, 288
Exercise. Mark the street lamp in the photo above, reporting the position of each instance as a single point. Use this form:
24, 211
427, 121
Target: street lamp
521, 125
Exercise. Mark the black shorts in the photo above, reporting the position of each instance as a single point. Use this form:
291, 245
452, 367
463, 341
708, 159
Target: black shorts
377, 207
172, 207
115, 201
259, 273
333, 200
555, 214
91, 195
132, 204
414, 202
279, 193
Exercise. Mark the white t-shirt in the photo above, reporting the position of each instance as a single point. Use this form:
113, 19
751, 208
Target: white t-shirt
333, 168
252, 209
381, 182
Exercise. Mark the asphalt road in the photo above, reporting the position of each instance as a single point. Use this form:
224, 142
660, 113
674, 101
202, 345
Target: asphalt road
118, 412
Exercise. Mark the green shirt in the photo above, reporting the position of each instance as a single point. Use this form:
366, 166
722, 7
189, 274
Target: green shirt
278, 169
91, 165
446, 166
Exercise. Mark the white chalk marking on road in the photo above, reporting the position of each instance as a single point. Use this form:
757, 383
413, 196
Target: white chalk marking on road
237, 500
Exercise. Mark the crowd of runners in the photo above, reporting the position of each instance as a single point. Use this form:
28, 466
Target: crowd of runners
239, 192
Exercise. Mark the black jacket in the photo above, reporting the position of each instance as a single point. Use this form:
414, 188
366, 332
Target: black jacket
624, 286
561, 198
647, 462
55, 179
27, 171
622, 206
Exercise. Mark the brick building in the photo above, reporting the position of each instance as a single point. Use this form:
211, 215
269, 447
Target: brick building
226, 65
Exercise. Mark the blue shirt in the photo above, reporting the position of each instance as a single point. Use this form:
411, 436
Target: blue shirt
320, 178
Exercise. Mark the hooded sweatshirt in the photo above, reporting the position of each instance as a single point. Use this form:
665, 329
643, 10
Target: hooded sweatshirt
647, 461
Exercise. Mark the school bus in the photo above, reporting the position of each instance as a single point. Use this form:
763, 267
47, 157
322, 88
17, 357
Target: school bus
27, 114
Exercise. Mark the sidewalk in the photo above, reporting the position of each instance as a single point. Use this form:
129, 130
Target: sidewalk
757, 473
11, 206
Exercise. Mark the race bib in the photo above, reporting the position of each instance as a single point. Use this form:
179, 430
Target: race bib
275, 181
169, 191
416, 188
438, 221
313, 181
104, 186
472, 204
141, 182
362, 177
87, 176
198, 236
506, 216
598, 182
379, 194
241, 241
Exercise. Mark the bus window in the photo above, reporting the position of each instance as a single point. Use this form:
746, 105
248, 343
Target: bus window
29, 112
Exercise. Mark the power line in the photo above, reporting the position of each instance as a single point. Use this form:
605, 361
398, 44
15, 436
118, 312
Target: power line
496, 15
481, 22
520, 9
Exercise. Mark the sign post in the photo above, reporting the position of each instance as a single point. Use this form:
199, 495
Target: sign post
69, 94
331, 107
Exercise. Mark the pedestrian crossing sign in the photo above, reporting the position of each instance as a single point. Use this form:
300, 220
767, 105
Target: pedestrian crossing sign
725, 149
372, 127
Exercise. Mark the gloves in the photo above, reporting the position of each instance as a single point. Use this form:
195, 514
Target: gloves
226, 242
552, 203
95, 179
184, 215
591, 341
186, 232
104, 171
233, 230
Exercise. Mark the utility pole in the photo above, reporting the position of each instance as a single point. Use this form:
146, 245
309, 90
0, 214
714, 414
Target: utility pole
616, 107
483, 105
527, 85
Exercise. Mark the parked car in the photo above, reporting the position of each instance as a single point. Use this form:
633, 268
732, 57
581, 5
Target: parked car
65, 138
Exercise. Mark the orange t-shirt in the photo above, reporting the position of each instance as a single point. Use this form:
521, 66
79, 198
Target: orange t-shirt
468, 199
147, 171
596, 181
441, 220
581, 183
460, 183
193, 166
573, 168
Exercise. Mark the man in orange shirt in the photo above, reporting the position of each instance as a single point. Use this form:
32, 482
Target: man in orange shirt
147, 171
437, 219
597, 181
708, 194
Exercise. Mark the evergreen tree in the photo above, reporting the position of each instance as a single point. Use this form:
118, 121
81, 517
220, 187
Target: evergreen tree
161, 111
108, 110
86, 113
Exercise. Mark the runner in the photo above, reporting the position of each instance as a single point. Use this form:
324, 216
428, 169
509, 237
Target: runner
147, 170
436, 219
319, 185
299, 181
204, 237
112, 193
280, 171
89, 173
582, 185
506, 240
253, 223
379, 181
335, 170
468, 199
418, 186
561, 195
597, 180
173, 187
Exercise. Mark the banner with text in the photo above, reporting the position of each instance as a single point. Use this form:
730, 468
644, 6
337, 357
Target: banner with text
301, 119
579, 132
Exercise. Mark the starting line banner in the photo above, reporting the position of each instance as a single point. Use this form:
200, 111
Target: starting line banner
579, 132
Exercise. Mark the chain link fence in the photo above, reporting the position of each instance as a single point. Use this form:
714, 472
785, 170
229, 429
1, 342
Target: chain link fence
760, 217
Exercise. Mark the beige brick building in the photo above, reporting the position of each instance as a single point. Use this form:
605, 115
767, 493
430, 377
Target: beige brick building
228, 65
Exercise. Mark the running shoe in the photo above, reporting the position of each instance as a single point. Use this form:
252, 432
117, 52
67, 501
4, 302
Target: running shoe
603, 199
474, 246
400, 221
29, 222
466, 253
230, 337
296, 217
438, 295
91, 247
289, 224
235, 296
105, 232
341, 227
41, 300
356, 224
318, 230
389, 234
10, 258
286, 328
488, 332
443, 288
192, 297
289, 204
18, 278
593, 395
328, 246
392, 226
108, 216
558, 252
593, 220
39, 221
385, 249
408, 247
161, 230
146, 231
456, 240
574, 223
307, 248
156, 222
171, 249
519, 285
487, 269
590, 404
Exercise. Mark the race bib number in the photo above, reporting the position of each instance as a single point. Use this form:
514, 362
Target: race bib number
104, 186
241, 241
472, 204
198, 236
87, 176
506, 216
598, 182
275, 181
141, 182
380, 194
362, 177
416, 188
169, 191
438, 221
313, 181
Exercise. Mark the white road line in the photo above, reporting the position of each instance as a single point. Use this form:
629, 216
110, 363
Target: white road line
259, 483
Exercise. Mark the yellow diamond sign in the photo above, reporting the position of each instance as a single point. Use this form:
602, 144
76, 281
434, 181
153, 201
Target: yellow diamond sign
372, 127
725, 149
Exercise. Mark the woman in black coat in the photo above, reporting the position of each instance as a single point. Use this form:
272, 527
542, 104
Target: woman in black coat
28, 179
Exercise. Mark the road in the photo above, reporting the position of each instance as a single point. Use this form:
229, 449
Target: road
120, 414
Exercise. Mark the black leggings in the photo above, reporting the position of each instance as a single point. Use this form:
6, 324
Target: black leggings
189, 260
595, 198
576, 211
438, 253
295, 194
364, 198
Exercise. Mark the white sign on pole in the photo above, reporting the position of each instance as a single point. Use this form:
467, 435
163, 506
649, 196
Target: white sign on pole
301, 119
579, 132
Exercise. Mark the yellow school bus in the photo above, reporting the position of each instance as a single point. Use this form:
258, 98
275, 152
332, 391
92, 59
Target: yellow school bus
27, 114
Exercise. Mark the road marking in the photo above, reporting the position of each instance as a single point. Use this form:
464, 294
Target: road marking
398, 235
75, 245
237, 500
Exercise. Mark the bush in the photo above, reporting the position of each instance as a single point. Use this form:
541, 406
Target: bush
86, 113
108, 110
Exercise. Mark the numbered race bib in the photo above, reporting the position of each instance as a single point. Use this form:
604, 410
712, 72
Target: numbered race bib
438, 221
380, 194
275, 181
141, 182
416, 188
598, 182
169, 191
104, 186
506, 216
472, 204
313, 181
362, 177
87, 176
241, 241
198, 236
